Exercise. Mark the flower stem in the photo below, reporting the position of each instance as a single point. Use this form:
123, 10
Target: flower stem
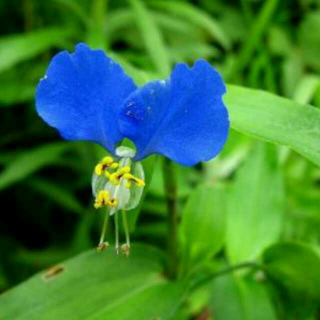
105, 226
116, 230
126, 227
171, 189
207, 278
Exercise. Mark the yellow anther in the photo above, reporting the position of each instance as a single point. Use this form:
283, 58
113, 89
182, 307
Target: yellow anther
103, 165
125, 169
113, 202
98, 169
107, 174
101, 199
140, 183
131, 178
107, 161
116, 176
114, 165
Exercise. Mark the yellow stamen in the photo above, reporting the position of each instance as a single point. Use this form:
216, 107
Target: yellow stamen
116, 176
101, 199
131, 178
114, 165
107, 161
113, 202
103, 165
98, 169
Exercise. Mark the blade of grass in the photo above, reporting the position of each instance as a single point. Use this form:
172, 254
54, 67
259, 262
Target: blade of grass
195, 16
21, 47
30, 161
152, 37
257, 30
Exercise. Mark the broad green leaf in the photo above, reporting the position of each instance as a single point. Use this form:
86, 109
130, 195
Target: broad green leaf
197, 17
27, 162
255, 205
226, 302
203, 225
60, 195
242, 299
296, 266
21, 47
152, 37
275, 119
97, 285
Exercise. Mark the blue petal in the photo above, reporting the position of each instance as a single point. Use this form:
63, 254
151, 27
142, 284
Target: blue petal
81, 96
182, 118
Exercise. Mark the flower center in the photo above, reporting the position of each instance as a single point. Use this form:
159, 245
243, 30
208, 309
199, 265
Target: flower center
117, 186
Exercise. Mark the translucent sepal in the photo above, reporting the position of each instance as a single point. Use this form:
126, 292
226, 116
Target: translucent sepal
128, 192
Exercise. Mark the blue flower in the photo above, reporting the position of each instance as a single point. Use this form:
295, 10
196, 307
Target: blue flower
87, 96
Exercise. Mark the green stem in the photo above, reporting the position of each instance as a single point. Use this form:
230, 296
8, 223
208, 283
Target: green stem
104, 228
116, 227
126, 227
171, 190
240, 266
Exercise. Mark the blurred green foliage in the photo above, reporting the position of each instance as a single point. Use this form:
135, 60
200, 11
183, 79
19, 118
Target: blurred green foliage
254, 209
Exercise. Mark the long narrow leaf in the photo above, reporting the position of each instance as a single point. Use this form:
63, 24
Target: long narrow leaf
275, 119
195, 16
152, 37
30, 161
20, 47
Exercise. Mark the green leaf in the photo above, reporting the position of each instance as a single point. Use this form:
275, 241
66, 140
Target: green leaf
203, 225
29, 161
152, 37
255, 205
242, 299
197, 17
296, 266
20, 47
98, 285
275, 119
